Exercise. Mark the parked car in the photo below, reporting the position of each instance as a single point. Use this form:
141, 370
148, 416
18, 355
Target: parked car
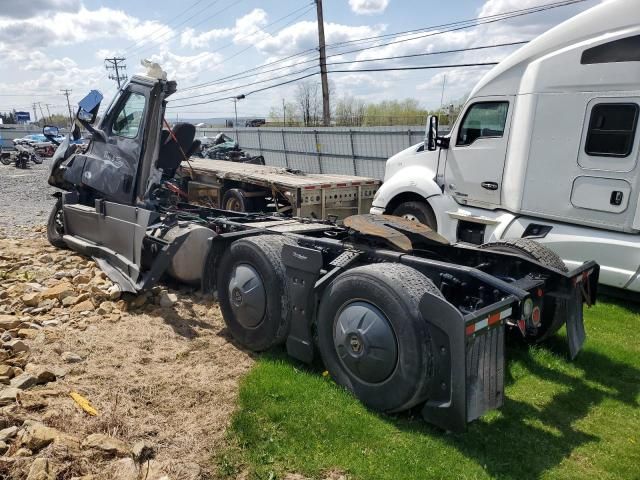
256, 122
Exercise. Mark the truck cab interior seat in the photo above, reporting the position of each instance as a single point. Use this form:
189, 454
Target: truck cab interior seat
170, 155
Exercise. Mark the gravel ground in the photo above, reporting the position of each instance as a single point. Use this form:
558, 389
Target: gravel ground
26, 198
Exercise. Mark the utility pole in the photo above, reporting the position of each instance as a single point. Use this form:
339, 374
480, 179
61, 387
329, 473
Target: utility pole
66, 93
41, 112
48, 111
326, 112
116, 64
35, 113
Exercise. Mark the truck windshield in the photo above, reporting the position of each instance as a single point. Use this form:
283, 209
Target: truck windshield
483, 119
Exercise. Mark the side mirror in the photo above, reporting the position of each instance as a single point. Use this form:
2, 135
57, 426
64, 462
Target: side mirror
431, 135
88, 107
50, 131
85, 116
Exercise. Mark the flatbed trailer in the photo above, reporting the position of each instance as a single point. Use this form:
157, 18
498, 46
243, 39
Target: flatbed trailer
248, 187
398, 315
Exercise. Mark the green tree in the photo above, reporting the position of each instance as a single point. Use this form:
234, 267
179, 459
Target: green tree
349, 112
396, 112
8, 118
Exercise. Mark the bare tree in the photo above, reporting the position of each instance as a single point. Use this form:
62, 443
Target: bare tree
309, 100
285, 113
349, 111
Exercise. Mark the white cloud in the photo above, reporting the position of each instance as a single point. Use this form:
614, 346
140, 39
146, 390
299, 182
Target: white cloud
247, 29
39, 61
304, 35
368, 7
29, 8
68, 28
185, 69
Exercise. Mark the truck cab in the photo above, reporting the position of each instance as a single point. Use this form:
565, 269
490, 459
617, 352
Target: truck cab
546, 147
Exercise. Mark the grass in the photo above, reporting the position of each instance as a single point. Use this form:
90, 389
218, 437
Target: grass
561, 419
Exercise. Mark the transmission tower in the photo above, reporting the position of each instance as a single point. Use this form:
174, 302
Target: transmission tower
116, 65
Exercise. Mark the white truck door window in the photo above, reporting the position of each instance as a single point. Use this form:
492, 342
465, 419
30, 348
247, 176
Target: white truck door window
475, 159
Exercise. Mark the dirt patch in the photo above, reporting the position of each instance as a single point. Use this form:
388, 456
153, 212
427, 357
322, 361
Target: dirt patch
163, 375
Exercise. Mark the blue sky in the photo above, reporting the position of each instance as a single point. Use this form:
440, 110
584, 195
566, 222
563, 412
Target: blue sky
48, 45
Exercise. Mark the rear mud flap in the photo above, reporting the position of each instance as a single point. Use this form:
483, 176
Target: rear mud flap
302, 270
575, 324
469, 361
581, 288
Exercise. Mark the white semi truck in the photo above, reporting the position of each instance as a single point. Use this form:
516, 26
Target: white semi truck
546, 147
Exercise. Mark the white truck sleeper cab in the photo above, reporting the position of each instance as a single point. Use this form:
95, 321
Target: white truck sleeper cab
546, 147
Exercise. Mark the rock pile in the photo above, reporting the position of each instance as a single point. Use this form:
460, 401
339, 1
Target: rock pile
43, 292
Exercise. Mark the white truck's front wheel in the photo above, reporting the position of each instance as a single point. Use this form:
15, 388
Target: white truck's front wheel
417, 212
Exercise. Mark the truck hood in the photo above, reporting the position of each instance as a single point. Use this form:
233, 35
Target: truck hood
414, 155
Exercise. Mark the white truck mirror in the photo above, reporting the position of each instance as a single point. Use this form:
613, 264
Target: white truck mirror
431, 133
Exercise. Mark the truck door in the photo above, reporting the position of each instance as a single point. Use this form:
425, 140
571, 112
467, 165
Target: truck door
603, 189
477, 151
111, 167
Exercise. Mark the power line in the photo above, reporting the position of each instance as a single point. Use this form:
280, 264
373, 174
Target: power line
432, 34
220, 80
172, 35
533, 9
236, 87
422, 67
504, 16
140, 42
478, 21
297, 72
141, 48
247, 94
307, 9
456, 50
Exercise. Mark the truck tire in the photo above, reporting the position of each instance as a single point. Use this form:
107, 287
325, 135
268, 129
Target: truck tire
552, 315
55, 226
377, 306
252, 291
417, 212
235, 200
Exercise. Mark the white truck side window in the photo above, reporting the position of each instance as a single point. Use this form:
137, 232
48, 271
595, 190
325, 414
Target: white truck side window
612, 129
483, 119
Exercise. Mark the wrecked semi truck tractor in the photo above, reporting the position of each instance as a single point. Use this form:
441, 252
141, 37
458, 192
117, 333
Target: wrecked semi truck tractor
546, 147
399, 316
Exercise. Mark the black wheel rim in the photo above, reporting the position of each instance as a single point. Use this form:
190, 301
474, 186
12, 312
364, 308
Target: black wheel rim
233, 205
247, 295
58, 221
365, 341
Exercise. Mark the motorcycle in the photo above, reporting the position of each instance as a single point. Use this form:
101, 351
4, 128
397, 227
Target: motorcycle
24, 155
21, 157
